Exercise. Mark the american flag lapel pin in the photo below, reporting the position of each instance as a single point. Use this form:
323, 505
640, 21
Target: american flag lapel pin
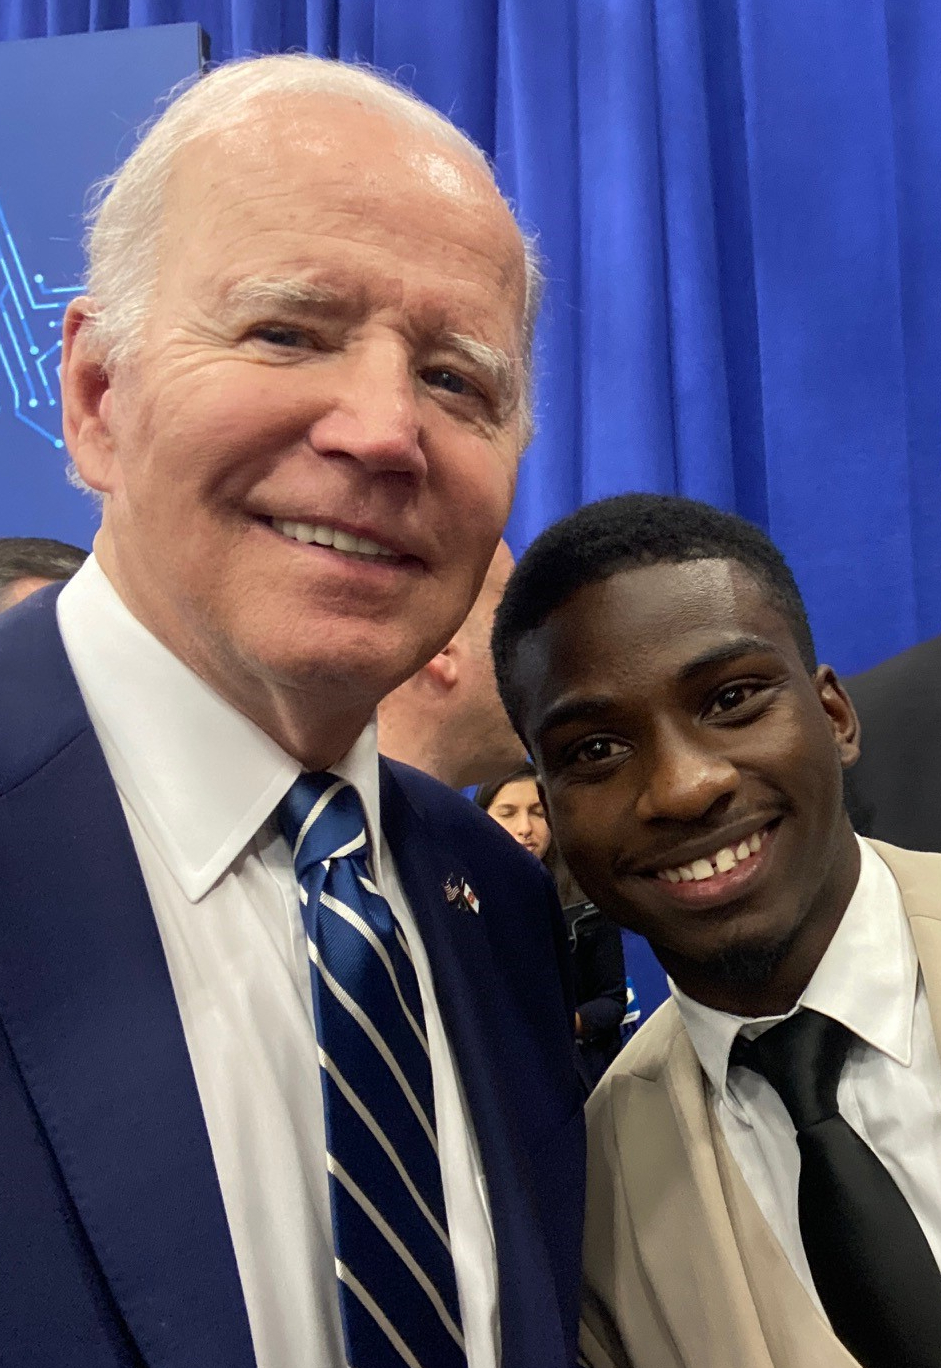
460, 894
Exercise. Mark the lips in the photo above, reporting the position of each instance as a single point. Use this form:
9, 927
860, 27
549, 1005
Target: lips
726, 880
726, 858
324, 534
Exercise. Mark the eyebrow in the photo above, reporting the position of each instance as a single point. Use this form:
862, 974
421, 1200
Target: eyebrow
259, 292
574, 710
727, 652
598, 705
502, 369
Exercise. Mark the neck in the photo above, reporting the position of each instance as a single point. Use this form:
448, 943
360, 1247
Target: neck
316, 746
316, 720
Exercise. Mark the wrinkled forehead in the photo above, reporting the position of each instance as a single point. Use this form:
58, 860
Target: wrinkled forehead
289, 151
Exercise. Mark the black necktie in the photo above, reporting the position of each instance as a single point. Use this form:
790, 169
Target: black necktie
873, 1269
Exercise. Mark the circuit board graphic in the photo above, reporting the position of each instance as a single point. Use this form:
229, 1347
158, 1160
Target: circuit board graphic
31, 314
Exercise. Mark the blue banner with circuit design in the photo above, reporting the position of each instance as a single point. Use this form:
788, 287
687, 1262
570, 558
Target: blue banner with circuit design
69, 111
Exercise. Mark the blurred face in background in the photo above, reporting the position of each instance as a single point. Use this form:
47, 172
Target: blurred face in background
19, 589
518, 808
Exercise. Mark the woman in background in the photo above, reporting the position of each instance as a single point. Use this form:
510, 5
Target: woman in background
595, 942
514, 802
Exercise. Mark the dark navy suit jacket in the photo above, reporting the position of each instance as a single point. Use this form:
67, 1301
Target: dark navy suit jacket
114, 1247
894, 792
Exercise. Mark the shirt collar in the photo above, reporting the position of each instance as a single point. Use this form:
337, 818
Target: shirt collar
199, 775
876, 1001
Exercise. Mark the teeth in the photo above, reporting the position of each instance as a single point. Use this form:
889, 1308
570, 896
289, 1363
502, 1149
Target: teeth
719, 863
323, 535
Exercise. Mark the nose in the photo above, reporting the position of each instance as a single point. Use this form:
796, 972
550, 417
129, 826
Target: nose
371, 409
685, 780
524, 827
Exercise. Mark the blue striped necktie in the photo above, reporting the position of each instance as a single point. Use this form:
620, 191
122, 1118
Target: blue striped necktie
398, 1295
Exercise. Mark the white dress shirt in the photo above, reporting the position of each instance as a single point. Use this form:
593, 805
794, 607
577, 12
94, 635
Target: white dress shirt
890, 1088
199, 784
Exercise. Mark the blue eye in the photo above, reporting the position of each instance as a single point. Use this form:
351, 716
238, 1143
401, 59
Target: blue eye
281, 337
449, 380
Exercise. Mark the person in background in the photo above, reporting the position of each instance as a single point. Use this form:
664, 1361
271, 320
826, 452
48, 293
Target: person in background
595, 942
513, 800
894, 792
447, 719
266, 1000
764, 1178
30, 563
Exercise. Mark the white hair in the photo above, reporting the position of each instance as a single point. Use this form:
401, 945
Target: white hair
126, 214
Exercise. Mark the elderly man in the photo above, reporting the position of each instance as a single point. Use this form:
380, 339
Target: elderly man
447, 719
286, 1064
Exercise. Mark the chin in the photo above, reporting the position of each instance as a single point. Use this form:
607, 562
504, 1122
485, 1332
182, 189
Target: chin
748, 964
307, 649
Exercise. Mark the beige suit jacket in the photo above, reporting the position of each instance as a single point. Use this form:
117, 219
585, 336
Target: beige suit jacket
681, 1270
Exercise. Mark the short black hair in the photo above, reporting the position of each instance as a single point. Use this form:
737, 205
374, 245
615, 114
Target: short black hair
37, 558
624, 533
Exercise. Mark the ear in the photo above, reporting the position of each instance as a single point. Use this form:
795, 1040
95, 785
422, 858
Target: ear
442, 669
86, 399
841, 714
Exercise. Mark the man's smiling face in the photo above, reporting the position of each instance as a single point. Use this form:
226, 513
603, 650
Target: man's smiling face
692, 772
308, 465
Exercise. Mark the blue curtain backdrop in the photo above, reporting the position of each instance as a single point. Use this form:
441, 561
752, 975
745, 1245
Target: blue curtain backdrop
739, 204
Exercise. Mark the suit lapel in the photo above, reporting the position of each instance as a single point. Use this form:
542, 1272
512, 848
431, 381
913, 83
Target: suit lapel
476, 1020
681, 1183
794, 1330
686, 1244
87, 1002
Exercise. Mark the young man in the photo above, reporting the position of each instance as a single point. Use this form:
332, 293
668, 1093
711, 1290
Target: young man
655, 656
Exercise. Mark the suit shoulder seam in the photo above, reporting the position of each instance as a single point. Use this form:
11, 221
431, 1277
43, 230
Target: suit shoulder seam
44, 762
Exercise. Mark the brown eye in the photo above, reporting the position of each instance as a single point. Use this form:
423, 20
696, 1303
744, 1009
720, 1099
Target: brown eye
731, 697
600, 748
